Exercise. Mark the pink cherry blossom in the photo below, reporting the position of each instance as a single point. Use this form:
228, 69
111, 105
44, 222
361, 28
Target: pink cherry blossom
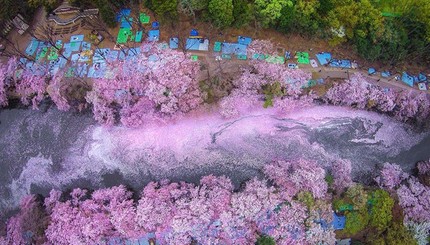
31, 88
359, 93
158, 83
55, 92
391, 176
341, 171
6, 73
414, 198
424, 167
296, 176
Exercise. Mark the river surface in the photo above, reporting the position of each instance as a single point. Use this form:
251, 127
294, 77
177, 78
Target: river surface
41, 150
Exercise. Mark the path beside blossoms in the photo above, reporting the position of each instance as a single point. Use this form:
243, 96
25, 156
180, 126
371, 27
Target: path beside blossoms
224, 67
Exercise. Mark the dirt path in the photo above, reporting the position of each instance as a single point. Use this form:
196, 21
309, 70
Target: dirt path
225, 67
282, 42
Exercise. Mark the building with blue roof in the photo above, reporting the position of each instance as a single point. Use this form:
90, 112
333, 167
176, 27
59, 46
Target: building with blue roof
244, 40
32, 47
153, 35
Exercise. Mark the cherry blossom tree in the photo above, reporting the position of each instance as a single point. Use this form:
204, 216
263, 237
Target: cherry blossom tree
296, 176
391, 176
414, 198
236, 104
424, 172
236, 230
359, 93
382, 100
290, 220
158, 83
353, 92
424, 167
27, 227
341, 171
78, 221
288, 104
256, 198
266, 81
406, 106
118, 203
318, 235
258, 74
55, 92
31, 87
156, 207
196, 212
6, 74
211, 212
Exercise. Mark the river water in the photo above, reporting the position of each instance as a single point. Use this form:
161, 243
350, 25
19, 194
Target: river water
41, 150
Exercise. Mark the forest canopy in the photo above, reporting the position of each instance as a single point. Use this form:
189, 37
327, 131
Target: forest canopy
384, 30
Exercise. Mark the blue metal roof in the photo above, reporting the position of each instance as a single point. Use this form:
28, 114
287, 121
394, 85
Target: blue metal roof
174, 43
338, 222
408, 79
244, 40
194, 32
324, 58
153, 35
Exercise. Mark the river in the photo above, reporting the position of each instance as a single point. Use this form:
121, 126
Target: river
41, 150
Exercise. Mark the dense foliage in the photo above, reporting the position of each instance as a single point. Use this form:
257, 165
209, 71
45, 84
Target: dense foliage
390, 31
289, 206
221, 11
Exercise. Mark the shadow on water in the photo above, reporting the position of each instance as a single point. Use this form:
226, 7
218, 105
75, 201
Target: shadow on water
418, 152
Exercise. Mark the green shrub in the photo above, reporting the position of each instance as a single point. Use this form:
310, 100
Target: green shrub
381, 210
265, 240
306, 198
358, 196
355, 222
